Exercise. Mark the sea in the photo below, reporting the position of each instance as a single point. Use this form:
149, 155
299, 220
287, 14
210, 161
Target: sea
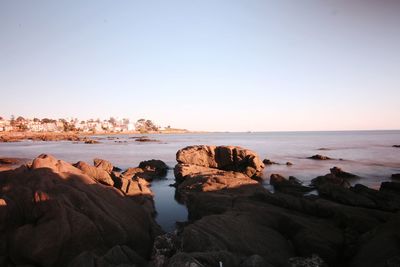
368, 154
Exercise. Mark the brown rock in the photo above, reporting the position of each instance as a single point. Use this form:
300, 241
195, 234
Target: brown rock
379, 247
91, 141
269, 162
338, 172
157, 167
207, 180
98, 174
228, 158
337, 176
9, 161
54, 213
203, 259
117, 256
290, 186
144, 139
103, 164
319, 157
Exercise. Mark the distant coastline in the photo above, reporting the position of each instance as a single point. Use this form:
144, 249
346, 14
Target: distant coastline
15, 136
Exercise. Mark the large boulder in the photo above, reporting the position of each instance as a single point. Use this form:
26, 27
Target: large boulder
97, 173
51, 212
148, 170
228, 212
103, 164
158, 167
228, 158
216, 180
380, 247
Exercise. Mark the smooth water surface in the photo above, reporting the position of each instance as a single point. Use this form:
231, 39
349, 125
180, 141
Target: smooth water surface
369, 154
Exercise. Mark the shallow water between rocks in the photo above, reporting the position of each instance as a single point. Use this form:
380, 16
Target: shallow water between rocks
369, 154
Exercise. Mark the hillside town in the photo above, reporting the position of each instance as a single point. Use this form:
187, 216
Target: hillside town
111, 125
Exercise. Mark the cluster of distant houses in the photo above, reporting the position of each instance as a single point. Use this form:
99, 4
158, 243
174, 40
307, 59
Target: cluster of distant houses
64, 125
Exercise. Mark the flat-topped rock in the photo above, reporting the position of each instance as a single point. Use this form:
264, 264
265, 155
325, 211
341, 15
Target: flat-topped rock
205, 179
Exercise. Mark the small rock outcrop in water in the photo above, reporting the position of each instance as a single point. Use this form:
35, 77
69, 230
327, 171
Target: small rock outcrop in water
158, 167
289, 186
319, 157
9, 161
227, 158
337, 176
398, 146
148, 170
53, 214
235, 221
145, 139
269, 162
91, 141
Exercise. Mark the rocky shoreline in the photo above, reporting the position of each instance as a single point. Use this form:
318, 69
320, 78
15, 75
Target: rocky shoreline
7, 137
54, 213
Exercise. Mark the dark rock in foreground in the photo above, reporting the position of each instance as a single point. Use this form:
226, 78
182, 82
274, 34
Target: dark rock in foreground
289, 186
236, 222
53, 214
337, 176
396, 176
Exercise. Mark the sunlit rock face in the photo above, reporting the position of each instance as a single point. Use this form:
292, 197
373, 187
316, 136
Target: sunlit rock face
227, 158
51, 212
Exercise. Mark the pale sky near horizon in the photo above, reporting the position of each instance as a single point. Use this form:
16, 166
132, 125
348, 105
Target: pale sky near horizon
211, 65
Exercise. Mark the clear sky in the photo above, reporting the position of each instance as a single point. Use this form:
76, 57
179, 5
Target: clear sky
204, 65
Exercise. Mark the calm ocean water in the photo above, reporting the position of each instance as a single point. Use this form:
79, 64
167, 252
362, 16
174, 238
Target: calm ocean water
369, 154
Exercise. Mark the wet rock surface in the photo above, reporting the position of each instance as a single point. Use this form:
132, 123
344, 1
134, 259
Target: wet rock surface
336, 176
290, 186
55, 214
235, 221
